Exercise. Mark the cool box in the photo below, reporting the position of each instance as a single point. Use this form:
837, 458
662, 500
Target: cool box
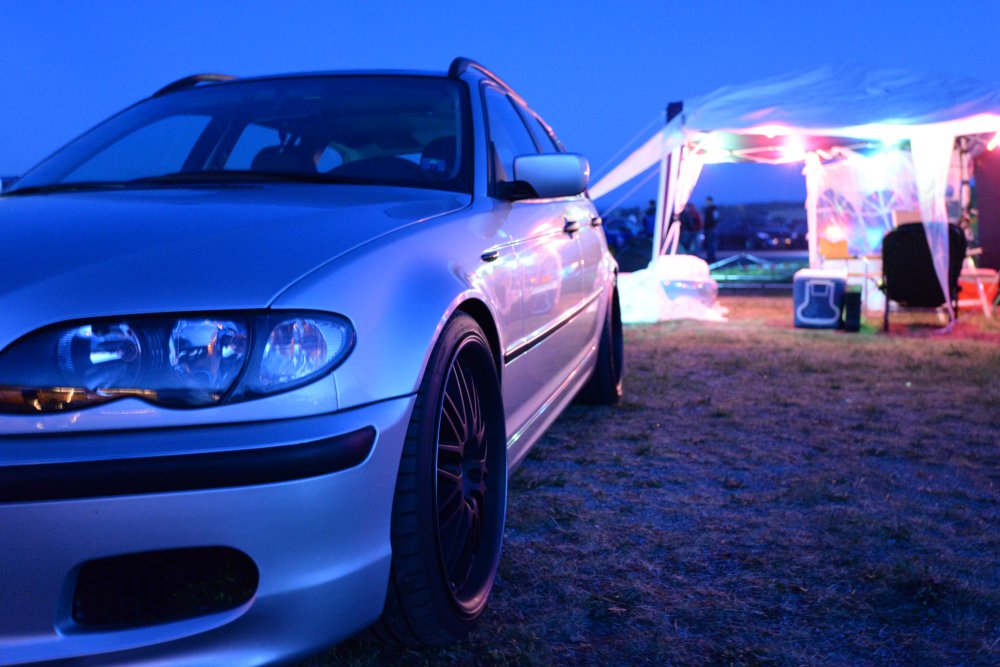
818, 298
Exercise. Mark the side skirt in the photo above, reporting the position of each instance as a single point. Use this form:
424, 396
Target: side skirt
521, 442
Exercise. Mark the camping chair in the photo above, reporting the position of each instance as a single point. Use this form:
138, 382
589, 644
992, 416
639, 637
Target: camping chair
908, 276
978, 287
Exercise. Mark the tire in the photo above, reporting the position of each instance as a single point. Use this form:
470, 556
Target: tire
451, 495
605, 385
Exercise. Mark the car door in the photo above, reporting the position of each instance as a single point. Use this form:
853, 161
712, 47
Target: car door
593, 244
549, 261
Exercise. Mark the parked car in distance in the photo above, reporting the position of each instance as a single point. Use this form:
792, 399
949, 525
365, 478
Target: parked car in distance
776, 238
270, 348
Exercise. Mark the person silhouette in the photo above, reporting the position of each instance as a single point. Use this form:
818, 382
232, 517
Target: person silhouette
710, 220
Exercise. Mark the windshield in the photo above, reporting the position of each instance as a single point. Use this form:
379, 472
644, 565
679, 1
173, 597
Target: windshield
370, 129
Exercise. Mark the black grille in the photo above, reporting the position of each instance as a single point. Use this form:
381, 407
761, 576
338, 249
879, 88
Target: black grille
161, 586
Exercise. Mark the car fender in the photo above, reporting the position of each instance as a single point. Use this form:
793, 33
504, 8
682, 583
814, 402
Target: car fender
399, 292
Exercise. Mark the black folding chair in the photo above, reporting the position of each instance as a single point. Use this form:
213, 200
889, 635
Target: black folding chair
908, 275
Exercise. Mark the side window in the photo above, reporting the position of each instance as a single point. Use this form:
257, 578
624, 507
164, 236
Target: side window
542, 137
508, 134
152, 150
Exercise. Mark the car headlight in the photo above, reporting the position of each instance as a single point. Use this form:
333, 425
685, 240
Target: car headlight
185, 361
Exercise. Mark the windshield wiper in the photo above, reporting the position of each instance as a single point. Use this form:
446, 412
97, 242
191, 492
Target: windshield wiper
192, 178
79, 186
244, 176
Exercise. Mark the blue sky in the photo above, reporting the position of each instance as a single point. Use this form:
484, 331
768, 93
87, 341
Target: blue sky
599, 72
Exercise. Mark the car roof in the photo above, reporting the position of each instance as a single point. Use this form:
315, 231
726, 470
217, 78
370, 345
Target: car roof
349, 72
458, 67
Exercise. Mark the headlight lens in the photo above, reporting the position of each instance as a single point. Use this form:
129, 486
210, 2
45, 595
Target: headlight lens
188, 361
207, 355
297, 349
105, 356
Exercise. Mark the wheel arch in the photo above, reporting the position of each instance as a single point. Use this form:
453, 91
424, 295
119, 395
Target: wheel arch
480, 312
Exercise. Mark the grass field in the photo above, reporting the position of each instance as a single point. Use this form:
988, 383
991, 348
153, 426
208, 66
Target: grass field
762, 496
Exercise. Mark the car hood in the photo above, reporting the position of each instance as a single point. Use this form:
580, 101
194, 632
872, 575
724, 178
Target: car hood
87, 254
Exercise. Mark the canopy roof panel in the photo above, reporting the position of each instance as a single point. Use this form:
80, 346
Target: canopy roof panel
847, 105
836, 98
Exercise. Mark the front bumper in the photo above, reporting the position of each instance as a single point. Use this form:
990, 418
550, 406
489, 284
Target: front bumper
320, 542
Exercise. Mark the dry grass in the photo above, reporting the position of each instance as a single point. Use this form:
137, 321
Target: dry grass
763, 496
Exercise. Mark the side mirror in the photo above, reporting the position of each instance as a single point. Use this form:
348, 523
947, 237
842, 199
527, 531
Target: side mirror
549, 175
7, 182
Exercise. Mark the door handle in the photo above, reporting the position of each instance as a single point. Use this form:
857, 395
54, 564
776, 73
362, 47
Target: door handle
490, 256
595, 221
571, 226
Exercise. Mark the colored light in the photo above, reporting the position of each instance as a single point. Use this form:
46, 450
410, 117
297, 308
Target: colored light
897, 145
993, 142
794, 148
771, 131
834, 234
711, 145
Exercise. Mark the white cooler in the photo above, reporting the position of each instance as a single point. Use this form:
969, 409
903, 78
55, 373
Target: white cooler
818, 297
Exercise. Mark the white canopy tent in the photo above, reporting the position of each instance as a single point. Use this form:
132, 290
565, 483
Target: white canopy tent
831, 115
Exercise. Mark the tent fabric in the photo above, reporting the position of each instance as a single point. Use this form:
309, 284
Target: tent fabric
673, 287
813, 171
848, 100
838, 101
665, 199
685, 169
932, 149
649, 153
687, 177
855, 197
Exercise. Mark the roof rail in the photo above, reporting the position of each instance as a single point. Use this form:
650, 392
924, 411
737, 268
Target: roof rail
191, 81
460, 65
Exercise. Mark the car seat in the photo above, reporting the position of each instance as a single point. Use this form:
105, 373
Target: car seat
293, 159
385, 168
437, 162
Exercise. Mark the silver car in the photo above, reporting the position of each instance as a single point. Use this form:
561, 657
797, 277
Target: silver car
269, 348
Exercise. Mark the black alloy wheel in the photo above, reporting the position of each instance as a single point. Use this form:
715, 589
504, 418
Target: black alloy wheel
451, 495
462, 481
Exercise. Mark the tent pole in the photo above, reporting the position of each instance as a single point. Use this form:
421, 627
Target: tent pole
812, 172
673, 237
664, 207
660, 224
965, 187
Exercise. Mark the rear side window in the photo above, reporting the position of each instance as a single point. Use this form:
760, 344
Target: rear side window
508, 134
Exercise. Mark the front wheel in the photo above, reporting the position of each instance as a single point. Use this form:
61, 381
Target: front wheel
451, 495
